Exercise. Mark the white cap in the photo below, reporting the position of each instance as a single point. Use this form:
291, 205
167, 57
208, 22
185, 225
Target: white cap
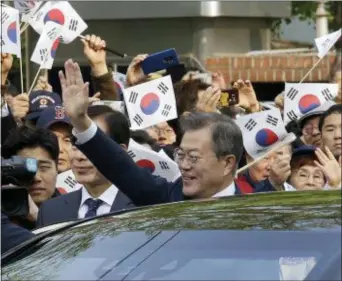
316, 112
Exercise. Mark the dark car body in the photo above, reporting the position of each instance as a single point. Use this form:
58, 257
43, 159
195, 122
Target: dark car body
269, 236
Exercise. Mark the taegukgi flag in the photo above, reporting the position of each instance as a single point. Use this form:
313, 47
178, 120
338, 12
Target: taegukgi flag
10, 31
262, 131
46, 48
299, 99
151, 103
60, 12
326, 42
27, 8
156, 163
119, 82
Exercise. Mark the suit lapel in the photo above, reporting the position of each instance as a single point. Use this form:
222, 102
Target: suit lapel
121, 202
72, 204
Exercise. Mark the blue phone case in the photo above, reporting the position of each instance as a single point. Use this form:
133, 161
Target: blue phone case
160, 61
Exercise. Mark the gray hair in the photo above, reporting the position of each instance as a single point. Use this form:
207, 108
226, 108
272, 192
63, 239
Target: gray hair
226, 135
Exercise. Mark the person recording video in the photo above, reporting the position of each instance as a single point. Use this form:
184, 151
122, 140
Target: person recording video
41, 145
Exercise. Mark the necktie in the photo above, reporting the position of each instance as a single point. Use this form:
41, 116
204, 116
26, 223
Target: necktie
93, 205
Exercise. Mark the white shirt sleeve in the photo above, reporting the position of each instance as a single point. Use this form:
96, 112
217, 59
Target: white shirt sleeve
4, 110
85, 136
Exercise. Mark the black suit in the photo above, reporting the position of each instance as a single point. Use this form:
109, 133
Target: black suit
65, 208
138, 184
11, 234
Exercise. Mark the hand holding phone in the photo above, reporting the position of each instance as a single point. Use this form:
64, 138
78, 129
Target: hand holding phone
160, 61
229, 97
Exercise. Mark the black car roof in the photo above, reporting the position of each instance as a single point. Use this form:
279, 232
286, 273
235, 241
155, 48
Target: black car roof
264, 211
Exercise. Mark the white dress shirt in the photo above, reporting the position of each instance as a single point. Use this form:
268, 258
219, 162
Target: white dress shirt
228, 191
107, 197
87, 135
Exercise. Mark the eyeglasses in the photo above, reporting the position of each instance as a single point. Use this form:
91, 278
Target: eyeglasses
179, 156
159, 131
305, 176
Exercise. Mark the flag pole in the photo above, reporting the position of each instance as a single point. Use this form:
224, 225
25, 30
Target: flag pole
274, 149
34, 80
312, 68
21, 75
24, 27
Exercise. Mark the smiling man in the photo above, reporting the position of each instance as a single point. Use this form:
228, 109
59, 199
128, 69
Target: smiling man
209, 152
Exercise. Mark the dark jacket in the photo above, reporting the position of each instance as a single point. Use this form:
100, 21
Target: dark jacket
25, 223
138, 184
11, 234
105, 85
68, 206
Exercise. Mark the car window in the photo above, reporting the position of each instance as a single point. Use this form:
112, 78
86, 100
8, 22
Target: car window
101, 251
234, 256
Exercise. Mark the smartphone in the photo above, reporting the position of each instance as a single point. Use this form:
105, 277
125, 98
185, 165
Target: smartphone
159, 61
229, 97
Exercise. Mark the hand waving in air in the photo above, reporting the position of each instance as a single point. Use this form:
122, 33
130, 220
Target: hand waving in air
75, 95
329, 166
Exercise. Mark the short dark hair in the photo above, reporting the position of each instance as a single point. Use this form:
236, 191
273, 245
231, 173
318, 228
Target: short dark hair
186, 93
293, 127
117, 123
142, 137
26, 137
226, 134
335, 109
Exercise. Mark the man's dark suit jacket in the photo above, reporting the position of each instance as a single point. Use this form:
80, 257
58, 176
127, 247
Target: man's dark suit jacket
65, 208
11, 234
138, 184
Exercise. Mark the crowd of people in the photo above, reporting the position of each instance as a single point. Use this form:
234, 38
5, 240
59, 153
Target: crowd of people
67, 131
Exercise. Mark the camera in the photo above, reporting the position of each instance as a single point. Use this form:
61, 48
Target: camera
16, 172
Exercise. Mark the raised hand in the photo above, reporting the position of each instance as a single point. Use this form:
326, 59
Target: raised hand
135, 74
19, 106
75, 94
329, 166
208, 100
95, 53
43, 84
218, 80
247, 96
280, 170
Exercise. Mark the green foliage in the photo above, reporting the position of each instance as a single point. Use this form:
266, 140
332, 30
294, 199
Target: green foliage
306, 10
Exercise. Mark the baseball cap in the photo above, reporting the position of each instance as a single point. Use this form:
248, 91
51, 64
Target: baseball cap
52, 115
40, 100
318, 111
304, 150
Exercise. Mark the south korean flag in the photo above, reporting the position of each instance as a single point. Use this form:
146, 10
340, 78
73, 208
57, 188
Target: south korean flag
27, 8
119, 83
262, 131
10, 31
300, 99
66, 182
157, 163
151, 103
45, 51
63, 13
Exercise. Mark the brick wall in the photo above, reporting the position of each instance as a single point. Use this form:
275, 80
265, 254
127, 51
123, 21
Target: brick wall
272, 68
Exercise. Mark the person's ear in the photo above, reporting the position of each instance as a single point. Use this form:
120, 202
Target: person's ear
229, 163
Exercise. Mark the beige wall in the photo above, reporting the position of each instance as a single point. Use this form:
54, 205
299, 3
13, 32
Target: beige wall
202, 37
